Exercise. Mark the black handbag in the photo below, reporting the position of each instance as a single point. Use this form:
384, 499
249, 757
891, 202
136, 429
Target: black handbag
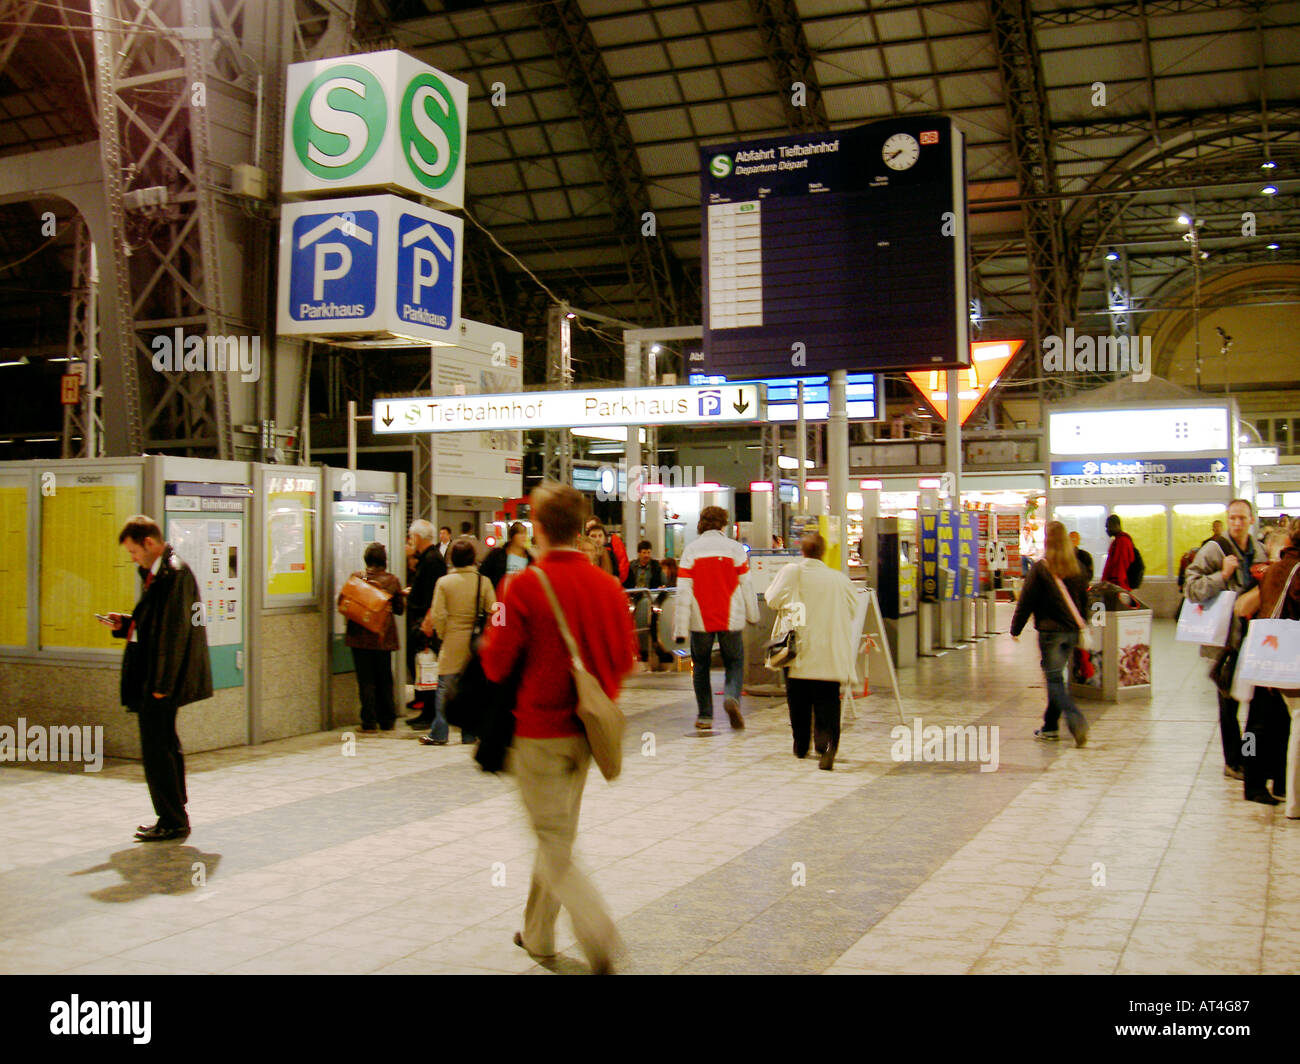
1223, 670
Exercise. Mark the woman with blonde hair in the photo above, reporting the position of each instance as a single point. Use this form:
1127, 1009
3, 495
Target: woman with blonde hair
1056, 596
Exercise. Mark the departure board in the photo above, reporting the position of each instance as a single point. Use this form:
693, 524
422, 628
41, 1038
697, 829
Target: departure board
843, 250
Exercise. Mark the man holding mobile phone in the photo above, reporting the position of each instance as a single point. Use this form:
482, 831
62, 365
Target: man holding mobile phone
165, 666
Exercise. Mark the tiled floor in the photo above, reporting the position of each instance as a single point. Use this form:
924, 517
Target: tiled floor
717, 853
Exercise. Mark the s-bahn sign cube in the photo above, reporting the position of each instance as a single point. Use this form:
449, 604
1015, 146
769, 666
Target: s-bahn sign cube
380, 120
369, 267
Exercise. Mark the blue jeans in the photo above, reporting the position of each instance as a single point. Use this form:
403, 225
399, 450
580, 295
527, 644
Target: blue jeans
732, 645
1057, 649
446, 688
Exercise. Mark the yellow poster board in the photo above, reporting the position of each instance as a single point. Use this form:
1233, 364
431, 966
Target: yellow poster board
84, 570
13, 565
290, 520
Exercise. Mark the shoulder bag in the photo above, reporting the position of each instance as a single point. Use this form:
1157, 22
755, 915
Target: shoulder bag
1085, 636
783, 647
367, 605
1270, 652
601, 718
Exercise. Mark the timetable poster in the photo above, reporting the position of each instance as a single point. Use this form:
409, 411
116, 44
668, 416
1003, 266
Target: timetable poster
843, 250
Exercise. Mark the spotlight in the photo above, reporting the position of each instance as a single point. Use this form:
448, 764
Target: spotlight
1112, 255
1268, 165
1268, 190
1184, 220
1273, 247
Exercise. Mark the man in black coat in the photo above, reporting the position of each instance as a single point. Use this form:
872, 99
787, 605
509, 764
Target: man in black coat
165, 666
430, 567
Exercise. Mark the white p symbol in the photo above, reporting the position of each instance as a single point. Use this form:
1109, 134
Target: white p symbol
425, 262
323, 273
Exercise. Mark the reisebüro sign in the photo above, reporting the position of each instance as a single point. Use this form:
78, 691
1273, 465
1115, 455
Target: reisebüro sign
597, 407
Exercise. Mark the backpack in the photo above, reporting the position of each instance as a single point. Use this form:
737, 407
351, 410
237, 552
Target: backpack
1136, 569
1183, 563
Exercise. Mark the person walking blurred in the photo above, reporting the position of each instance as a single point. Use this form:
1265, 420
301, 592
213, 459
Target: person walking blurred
715, 600
508, 558
550, 755
823, 602
1055, 595
458, 599
372, 653
429, 569
1269, 719
1213, 570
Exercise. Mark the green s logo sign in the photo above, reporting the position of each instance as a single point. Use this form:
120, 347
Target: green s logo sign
720, 166
430, 131
339, 122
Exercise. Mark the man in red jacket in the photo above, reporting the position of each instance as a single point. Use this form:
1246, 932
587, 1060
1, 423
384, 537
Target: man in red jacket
550, 754
1121, 554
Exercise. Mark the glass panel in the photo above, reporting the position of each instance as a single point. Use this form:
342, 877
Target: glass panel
84, 570
1192, 523
13, 561
291, 517
1090, 523
1149, 527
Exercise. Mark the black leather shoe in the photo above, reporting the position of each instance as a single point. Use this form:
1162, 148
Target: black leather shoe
1262, 797
161, 834
419, 722
828, 761
801, 754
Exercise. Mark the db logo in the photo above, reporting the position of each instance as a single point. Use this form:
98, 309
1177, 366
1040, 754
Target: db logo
339, 122
930, 136
1270, 641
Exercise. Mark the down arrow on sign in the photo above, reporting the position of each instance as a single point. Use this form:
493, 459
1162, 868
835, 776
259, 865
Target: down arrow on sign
742, 404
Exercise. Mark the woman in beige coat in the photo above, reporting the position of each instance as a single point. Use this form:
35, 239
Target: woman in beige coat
452, 616
821, 603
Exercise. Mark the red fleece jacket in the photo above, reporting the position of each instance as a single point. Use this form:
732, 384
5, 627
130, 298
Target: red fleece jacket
596, 609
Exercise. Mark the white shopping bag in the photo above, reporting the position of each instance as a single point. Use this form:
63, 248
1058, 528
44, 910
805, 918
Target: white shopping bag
426, 669
1206, 622
1270, 654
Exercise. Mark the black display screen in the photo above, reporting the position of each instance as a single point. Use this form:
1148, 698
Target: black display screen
842, 250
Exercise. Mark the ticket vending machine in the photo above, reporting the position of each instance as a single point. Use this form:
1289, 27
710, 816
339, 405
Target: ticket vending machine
365, 506
895, 582
205, 524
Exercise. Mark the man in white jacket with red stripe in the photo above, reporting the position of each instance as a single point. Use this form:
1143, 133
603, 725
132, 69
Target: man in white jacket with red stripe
714, 598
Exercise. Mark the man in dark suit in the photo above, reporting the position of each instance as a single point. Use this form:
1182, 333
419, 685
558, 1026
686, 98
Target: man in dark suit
165, 666
430, 567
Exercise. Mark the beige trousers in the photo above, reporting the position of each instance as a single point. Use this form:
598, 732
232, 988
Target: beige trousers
552, 774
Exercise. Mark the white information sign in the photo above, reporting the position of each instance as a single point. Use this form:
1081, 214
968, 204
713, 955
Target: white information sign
488, 360
576, 408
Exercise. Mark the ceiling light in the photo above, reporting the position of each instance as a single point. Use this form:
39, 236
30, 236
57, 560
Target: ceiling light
1184, 220
1268, 164
1112, 256
1273, 247
1268, 190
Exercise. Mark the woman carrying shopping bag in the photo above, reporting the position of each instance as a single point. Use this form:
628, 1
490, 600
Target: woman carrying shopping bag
1055, 595
818, 603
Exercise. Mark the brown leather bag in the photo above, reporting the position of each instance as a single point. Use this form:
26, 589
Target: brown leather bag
369, 606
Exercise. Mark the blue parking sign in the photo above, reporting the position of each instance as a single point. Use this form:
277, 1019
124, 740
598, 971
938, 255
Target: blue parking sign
426, 272
334, 265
